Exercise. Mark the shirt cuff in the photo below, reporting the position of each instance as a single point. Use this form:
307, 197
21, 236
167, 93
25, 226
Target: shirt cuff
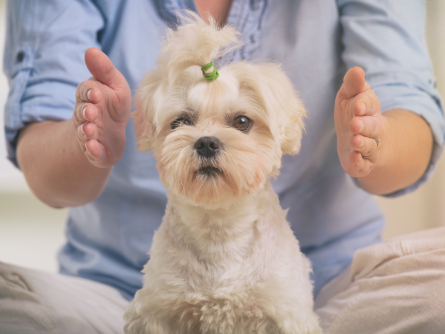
34, 100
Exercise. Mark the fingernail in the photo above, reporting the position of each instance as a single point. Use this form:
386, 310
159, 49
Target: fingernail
83, 113
89, 93
361, 126
363, 108
81, 130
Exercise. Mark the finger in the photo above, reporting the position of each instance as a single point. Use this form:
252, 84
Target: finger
102, 68
90, 112
88, 91
368, 126
364, 145
359, 167
81, 137
364, 104
84, 112
353, 83
94, 151
87, 131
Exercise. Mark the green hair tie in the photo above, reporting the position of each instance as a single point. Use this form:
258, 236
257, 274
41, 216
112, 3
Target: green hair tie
210, 76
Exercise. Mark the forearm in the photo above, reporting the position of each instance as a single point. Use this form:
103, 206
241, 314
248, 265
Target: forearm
55, 168
403, 154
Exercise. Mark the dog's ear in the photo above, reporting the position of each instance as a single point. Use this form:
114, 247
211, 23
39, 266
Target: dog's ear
146, 102
284, 106
292, 114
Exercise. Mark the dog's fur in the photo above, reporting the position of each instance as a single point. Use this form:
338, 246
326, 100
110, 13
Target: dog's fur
224, 259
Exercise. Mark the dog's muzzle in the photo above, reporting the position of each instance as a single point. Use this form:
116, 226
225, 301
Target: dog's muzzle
207, 149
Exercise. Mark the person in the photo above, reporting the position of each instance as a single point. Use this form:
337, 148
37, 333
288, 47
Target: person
376, 134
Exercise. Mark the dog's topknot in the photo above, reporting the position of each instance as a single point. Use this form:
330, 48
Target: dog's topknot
194, 43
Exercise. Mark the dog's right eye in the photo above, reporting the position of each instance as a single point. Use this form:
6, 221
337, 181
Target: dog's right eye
179, 121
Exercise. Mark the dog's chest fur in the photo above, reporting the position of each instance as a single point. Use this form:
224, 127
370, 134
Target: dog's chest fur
230, 269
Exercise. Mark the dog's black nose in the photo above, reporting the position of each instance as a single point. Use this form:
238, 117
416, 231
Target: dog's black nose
207, 146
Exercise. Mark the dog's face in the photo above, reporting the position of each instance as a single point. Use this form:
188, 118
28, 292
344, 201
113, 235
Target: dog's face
215, 141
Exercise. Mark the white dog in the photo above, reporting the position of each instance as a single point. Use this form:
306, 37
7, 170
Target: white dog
224, 260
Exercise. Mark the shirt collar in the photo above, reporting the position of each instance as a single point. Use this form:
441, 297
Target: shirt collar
246, 16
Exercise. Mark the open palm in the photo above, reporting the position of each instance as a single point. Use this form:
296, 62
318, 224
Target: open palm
358, 120
102, 110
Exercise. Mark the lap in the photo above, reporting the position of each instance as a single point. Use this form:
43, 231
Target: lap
397, 286
37, 302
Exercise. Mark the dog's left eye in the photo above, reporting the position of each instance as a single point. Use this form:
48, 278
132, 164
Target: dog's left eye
242, 123
179, 121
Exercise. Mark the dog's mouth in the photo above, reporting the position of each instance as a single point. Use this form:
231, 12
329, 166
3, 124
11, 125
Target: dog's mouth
209, 171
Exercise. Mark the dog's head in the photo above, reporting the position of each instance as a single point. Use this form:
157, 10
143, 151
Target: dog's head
216, 140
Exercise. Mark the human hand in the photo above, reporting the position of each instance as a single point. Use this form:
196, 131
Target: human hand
102, 110
358, 121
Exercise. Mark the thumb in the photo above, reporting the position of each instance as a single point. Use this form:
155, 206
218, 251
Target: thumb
353, 83
102, 68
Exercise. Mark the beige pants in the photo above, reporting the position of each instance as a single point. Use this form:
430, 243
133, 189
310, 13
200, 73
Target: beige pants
394, 287
397, 286
35, 302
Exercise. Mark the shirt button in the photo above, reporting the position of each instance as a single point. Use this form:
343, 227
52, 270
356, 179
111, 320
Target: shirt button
20, 56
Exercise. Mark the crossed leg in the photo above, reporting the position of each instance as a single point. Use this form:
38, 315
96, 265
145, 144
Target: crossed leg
394, 287
37, 302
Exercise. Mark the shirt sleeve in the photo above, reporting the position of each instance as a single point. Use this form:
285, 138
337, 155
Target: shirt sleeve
387, 39
44, 60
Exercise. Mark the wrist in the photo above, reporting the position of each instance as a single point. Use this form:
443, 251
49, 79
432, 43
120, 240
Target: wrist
55, 168
403, 156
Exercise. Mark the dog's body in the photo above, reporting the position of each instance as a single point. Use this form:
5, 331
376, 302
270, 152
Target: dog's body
224, 259
234, 271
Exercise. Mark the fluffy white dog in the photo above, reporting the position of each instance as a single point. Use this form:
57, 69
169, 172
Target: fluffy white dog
224, 260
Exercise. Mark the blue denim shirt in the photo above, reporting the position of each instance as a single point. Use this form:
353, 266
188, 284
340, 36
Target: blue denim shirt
315, 40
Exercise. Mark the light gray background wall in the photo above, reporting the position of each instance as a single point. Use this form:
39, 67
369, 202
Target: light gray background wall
31, 233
